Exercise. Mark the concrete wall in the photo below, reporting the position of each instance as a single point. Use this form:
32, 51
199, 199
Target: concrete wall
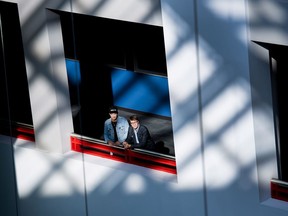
218, 128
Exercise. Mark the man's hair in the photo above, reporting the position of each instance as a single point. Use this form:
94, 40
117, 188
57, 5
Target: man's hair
133, 118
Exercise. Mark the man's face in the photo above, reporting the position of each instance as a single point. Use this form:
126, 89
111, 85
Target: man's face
113, 116
134, 123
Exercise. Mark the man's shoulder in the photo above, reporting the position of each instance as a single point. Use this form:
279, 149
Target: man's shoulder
143, 128
122, 118
107, 121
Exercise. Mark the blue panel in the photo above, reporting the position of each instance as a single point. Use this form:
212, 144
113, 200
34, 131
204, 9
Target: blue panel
73, 70
142, 92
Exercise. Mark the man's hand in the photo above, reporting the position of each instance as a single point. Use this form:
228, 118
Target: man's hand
110, 143
117, 143
126, 145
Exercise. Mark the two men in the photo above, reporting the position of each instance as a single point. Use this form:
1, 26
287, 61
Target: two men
117, 132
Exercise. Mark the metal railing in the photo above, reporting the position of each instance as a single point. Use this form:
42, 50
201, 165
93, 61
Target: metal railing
279, 189
17, 130
140, 157
99, 148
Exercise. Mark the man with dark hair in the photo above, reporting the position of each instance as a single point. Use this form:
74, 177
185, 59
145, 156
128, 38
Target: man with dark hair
138, 135
115, 128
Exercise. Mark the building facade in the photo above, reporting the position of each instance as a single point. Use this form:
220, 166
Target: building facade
223, 63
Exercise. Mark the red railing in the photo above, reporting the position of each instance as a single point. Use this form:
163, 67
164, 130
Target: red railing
18, 130
140, 157
279, 190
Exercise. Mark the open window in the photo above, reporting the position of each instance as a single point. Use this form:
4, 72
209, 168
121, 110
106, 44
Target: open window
114, 62
279, 80
15, 109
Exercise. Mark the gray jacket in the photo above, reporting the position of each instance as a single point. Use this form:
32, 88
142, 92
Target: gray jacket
121, 129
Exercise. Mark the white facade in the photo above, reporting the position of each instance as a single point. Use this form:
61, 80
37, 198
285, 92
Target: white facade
221, 112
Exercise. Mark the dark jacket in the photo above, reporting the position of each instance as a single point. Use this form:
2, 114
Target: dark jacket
144, 138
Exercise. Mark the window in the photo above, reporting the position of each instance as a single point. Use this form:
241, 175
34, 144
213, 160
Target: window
15, 109
114, 62
279, 81
279, 78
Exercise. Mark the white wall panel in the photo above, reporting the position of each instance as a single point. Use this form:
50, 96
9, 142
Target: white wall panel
48, 183
8, 189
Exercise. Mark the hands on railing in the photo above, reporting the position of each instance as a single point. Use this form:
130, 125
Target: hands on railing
141, 157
